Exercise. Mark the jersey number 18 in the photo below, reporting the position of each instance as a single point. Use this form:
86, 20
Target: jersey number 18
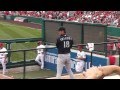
66, 44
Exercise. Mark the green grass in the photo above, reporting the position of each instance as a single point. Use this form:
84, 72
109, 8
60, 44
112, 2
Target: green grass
19, 55
34, 74
12, 31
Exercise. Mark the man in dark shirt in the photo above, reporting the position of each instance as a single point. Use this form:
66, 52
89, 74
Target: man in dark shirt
64, 44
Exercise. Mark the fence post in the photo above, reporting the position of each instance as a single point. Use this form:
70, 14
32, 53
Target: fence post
24, 65
91, 59
9, 53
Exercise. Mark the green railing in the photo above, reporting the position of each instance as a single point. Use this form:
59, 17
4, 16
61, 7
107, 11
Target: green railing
22, 63
9, 44
113, 31
20, 40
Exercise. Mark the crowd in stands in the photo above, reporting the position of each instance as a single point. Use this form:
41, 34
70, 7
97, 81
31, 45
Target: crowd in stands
104, 17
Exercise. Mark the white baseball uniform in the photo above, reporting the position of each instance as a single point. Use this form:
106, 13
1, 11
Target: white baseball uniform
2, 58
40, 57
80, 63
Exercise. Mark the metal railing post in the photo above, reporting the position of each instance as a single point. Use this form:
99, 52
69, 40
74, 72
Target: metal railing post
24, 65
91, 61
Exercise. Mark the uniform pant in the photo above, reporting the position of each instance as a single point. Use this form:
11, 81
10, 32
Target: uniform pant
3, 65
79, 66
40, 60
64, 59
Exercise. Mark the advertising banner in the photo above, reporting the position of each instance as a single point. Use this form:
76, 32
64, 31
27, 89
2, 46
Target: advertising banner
51, 60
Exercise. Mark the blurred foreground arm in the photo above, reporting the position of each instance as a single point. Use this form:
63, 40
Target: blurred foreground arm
101, 72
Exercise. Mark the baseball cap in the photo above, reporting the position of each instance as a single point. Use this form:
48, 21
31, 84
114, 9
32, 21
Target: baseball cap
39, 42
1, 44
61, 29
80, 46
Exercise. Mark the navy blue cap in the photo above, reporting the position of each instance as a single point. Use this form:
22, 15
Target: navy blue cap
61, 29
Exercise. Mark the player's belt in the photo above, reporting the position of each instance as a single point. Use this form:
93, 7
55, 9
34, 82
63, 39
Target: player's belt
40, 53
63, 53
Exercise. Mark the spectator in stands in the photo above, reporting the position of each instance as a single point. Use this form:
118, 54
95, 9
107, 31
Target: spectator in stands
104, 17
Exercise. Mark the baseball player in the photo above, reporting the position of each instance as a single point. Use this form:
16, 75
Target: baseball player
3, 57
81, 56
40, 57
64, 44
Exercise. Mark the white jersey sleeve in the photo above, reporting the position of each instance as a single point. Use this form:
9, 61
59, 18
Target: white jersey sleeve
81, 54
3, 52
40, 49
